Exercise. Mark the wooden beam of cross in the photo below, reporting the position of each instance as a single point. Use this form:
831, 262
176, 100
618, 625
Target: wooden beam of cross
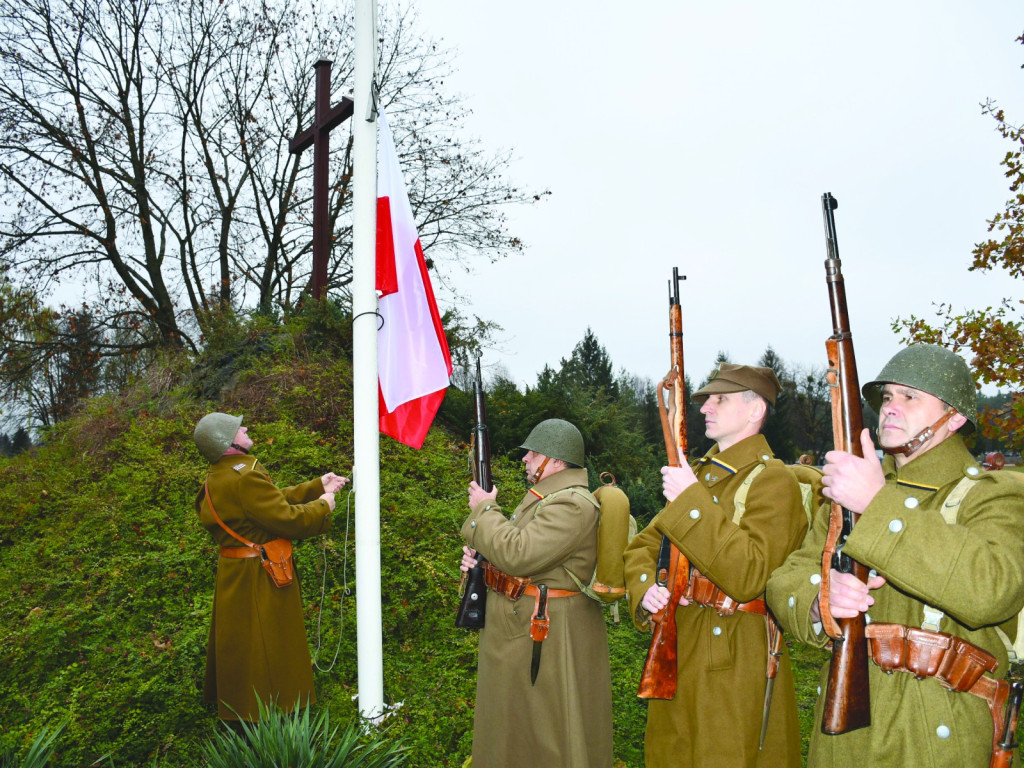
325, 119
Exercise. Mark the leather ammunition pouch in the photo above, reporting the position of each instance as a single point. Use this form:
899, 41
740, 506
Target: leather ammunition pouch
276, 559
957, 664
703, 591
498, 581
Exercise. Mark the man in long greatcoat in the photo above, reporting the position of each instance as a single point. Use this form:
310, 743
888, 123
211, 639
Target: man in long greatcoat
944, 544
732, 545
547, 702
257, 649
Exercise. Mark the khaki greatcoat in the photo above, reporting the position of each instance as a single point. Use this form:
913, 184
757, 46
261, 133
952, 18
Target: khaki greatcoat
715, 717
565, 719
257, 644
973, 571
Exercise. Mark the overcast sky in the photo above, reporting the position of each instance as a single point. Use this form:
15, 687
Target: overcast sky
702, 136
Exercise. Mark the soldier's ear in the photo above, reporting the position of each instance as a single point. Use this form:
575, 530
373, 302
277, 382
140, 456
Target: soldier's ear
759, 409
956, 421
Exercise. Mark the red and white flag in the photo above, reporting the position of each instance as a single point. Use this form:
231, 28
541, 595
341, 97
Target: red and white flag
413, 363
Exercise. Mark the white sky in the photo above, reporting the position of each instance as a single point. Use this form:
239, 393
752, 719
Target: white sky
702, 136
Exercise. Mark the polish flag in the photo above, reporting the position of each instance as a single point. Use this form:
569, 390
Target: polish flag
413, 363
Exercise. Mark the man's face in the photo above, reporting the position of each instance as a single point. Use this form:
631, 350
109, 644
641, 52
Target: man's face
727, 418
533, 460
242, 439
905, 412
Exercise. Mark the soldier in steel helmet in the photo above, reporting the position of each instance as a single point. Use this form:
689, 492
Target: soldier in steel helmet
945, 547
541, 701
718, 713
257, 647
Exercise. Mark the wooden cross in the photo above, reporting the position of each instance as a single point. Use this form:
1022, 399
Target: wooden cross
325, 119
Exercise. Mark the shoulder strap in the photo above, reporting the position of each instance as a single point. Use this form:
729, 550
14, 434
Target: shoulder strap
206, 488
739, 501
950, 509
577, 489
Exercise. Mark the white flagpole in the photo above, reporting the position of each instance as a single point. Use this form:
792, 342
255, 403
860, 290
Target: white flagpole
366, 435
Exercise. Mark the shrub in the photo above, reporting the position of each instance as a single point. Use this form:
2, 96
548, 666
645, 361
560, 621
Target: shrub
298, 740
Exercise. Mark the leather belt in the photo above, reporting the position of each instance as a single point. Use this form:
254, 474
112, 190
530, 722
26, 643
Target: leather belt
705, 592
239, 552
514, 587
534, 592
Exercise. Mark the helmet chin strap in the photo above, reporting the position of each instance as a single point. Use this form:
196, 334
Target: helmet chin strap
240, 449
535, 477
922, 437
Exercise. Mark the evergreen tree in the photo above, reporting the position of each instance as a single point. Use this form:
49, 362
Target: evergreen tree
21, 441
778, 429
590, 367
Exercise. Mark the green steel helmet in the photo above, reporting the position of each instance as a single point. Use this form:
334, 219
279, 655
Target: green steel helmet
214, 434
932, 369
557, 439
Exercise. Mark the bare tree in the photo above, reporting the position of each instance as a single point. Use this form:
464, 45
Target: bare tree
811, 412
144, 159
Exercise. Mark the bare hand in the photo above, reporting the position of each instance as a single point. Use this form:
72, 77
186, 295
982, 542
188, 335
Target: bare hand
468, 559
329, 498
657, 597
850, 480
332, 482
675, 480
478, 494
848, 596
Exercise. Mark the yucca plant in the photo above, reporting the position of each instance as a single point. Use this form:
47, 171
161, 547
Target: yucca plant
38, 754
297, 740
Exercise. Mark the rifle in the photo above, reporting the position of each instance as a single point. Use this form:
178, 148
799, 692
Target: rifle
847, 700
658, 679
473, 605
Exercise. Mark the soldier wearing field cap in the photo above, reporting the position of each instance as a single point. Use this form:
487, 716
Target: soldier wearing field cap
945, 547
257, 649
541, 700
735, 514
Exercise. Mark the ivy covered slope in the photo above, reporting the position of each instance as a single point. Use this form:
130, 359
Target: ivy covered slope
107, 578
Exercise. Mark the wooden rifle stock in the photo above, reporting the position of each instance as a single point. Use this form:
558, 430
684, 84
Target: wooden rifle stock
658, 679
847, 701
473, 605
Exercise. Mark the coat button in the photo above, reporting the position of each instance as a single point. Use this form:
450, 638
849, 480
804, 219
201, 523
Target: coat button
707, 477
815, 578
714, 499
643, 578
896, 525
694, 514
942, 731
973, 470
472, 523
910, 502
766, 458
716, 631
792, 601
